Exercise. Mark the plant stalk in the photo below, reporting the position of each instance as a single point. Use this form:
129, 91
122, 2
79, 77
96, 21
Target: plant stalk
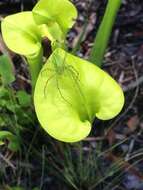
104, 32
35, 65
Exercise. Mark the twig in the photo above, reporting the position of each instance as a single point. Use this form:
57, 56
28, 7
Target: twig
92, 139
43, 167
23, 79
131, 146
7, 161
131, 103
133, 85
126, 165
1, 18
3, 46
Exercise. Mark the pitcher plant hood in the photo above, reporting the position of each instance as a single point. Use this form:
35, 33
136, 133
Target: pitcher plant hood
70, 92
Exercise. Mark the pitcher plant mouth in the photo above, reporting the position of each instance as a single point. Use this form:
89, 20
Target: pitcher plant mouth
74, 97
47, 48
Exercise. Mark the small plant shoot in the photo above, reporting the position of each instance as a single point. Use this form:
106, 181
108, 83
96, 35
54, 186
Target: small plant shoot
68, 92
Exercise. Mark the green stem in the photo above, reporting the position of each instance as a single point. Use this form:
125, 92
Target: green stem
104, 32
35, 65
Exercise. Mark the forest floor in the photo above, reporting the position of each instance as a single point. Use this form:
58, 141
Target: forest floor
122, 136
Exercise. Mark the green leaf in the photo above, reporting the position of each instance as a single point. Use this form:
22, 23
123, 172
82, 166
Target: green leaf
14, 188
4, 93
70, 92
14, 143
62, 12
6, 70
2, 121
21, 34
23, 98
